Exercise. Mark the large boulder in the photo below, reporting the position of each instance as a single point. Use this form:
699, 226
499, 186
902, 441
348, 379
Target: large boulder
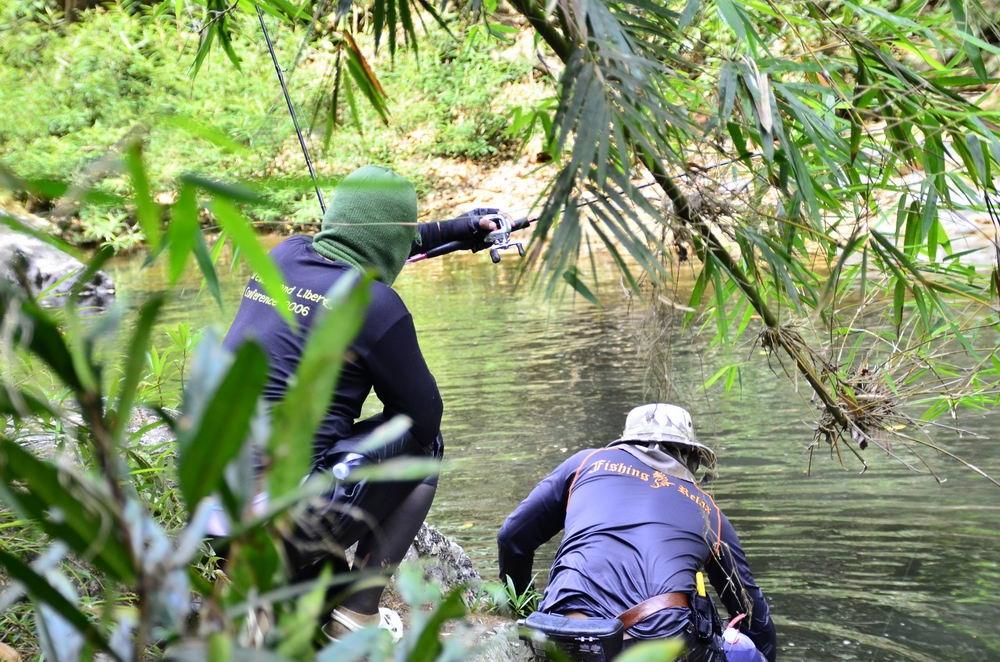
48, 272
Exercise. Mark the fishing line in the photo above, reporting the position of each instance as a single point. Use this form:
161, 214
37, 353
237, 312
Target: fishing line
585, 203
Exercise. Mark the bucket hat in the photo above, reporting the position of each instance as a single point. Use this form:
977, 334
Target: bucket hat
662, 423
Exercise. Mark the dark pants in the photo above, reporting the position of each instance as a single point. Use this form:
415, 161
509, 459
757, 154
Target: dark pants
382, 518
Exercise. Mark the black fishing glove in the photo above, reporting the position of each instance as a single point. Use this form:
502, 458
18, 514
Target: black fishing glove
478, 226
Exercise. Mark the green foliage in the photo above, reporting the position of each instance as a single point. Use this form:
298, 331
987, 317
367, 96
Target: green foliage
522, 603
72, 92
503, 598
118, 536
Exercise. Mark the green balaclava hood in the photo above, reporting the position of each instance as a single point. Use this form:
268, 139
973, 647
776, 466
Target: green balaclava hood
371, 222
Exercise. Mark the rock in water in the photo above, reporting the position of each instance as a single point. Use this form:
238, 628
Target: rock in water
48, 272
444, 560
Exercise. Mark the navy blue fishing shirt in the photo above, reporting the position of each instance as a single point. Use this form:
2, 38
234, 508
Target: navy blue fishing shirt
631, 533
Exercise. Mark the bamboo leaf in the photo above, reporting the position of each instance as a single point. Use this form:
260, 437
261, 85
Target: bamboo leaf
207, 266
691, 8
971, 50
183, 228
898, 297
428, 644
204, 46
65, 507
135, 364
41, 336
21, 404
205, 448
299, 413
42, 592
265, 271
572, 277
19, 226
733, 17
654, 651
147, 211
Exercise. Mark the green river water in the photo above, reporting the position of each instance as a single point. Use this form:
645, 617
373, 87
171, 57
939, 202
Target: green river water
883, 566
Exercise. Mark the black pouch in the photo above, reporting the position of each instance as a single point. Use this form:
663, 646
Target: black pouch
706, 632
706, 620
583, 639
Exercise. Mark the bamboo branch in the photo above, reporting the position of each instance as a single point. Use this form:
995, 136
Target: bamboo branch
563, 48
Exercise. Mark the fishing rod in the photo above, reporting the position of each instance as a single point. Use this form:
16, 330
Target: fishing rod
499, 239
291, 108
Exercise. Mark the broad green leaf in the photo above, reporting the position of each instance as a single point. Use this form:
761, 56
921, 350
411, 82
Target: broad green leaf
147, 211
307, 400
40, 591
243, 237
205, 448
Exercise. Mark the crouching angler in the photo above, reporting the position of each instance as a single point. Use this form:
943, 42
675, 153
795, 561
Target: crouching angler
371, 225
638, 533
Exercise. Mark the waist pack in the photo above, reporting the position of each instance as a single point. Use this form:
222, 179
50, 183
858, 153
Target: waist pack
583, 639
600, 639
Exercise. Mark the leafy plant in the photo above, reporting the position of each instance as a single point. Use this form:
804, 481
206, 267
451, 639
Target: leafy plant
135, 517
785, 140
522, 603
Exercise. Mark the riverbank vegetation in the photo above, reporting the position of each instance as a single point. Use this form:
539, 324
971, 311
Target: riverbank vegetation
799, 161
73, 93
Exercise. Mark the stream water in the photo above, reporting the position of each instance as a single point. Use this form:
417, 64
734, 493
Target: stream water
888, 565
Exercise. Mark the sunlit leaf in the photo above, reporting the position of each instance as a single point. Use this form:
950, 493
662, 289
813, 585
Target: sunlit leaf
205, 448
307, 399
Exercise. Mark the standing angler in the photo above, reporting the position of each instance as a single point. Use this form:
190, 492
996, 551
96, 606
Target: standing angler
370, 225
638, 531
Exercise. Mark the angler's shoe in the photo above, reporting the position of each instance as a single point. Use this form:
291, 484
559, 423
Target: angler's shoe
343, 622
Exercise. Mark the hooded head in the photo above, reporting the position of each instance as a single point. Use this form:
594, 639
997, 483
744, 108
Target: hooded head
668, 428
371, 222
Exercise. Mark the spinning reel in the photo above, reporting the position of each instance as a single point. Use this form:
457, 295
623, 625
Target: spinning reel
499, 239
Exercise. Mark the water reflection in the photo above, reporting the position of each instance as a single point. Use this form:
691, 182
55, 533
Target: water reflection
886, 565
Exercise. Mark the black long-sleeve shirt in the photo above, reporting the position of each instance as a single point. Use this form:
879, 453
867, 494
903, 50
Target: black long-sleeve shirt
631, 533
385, 356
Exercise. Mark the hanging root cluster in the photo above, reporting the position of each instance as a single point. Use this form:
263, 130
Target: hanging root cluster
859, 408
872, 408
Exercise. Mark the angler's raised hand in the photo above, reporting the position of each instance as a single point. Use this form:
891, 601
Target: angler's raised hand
480, 222
469, 231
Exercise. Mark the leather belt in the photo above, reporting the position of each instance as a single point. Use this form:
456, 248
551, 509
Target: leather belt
647, 608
